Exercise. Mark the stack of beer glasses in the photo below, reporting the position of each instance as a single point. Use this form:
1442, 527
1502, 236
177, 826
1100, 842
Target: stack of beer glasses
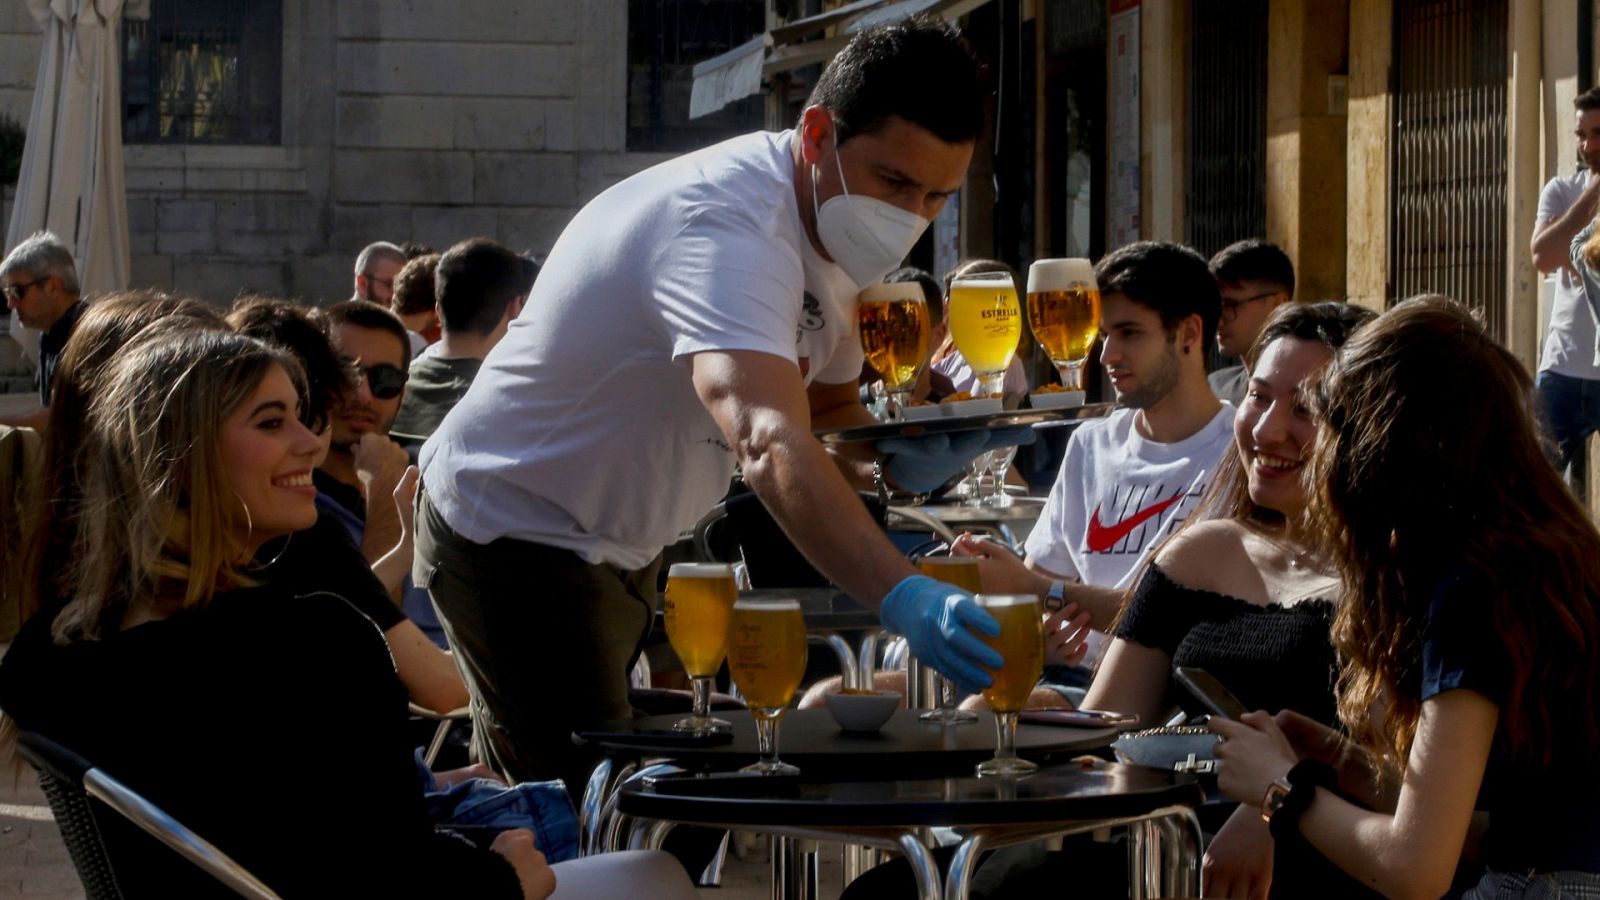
963, 572
697, 609
1021, 644
1064, 313
767, 656
895, 329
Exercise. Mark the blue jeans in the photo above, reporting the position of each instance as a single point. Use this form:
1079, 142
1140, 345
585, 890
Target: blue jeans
1535, 886
1572, 412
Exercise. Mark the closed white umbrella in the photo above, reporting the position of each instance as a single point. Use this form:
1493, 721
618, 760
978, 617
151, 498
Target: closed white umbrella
71, 181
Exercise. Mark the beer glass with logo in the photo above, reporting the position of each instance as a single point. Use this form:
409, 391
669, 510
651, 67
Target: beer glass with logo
894, 336
697, 610
767, 655
961, 571
1064, 313
1021, 643
985, 323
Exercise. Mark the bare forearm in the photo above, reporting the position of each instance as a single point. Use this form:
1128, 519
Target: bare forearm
1102, 604
383, 528
1370, 847
1551, 246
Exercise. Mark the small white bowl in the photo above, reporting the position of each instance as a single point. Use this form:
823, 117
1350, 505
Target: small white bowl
921, 413
1056, 399
983, 406
863, 712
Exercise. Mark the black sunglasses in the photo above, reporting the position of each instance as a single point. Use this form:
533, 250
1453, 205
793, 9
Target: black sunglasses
384, 380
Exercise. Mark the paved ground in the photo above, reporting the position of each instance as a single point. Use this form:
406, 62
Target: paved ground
34, 863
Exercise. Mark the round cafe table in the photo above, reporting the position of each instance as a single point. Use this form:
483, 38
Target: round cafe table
897, 813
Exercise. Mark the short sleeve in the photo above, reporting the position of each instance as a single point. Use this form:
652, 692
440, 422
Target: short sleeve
1153, 616
724, 282
1554, 200
1461, 649
1049, 544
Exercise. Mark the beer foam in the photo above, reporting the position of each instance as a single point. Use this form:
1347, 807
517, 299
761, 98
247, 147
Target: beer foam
700, 570
1060, 275
767, 604
1002, 600
949, 560
899, 290
984, 280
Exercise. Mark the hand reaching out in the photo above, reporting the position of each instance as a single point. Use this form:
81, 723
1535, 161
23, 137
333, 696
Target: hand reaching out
537, 878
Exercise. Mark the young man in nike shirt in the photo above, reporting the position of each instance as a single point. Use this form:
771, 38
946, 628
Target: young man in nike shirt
1129, 479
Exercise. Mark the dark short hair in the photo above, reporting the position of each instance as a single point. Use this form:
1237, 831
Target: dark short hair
1254, 259
413, 286
932, 291
1329, 323
919, 70
366, 314
304, 333
475, 281
530, 271
412, 250
1588, 100
1169, 278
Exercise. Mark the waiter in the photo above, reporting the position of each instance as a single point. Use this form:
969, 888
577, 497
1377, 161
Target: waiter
696, 316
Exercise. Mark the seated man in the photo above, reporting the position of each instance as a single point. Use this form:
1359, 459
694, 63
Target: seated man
479, 287
1255, 277
40, 283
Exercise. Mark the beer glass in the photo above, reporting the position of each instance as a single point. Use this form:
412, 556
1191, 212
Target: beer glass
894, 336
697, 610
985, 323
1064, 313
767, 655
961, 571
1021, 643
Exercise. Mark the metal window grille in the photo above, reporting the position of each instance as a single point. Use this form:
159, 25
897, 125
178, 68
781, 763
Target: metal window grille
203, 72
1448, 150
665, 40
1226, 199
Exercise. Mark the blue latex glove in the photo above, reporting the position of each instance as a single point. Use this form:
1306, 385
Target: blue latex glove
938, 621
923, 464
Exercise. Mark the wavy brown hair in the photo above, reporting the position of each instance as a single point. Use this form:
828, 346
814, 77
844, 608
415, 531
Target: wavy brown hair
1429, 457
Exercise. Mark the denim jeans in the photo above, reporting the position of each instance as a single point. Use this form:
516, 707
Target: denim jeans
1535, 886
1572, 411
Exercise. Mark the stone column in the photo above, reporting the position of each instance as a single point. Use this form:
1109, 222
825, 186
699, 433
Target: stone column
1367, 158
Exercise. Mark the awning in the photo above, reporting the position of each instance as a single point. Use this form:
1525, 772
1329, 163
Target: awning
738, 73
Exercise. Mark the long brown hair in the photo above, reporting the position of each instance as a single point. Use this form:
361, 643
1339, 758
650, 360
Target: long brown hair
1429, 458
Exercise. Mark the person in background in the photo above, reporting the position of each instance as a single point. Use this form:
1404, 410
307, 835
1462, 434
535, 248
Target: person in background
1255, 277
1466, 630
40, 283
948, 364
413, 302
376, 266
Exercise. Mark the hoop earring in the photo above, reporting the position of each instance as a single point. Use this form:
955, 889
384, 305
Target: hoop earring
281, 550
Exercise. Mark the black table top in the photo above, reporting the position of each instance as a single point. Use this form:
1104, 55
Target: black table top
1065, 792
810, 739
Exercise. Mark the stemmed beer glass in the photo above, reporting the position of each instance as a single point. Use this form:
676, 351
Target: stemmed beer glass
895, 329
1021, 644
697, 610
767, 656
985, 323
1064, 313
963, 572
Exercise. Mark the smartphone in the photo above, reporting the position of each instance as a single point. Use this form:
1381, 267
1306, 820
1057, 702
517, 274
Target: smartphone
1078, 718
662, 737
1204, 686
725, 784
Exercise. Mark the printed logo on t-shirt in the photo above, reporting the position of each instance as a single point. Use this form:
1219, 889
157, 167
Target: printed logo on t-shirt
811, 318
1134, 515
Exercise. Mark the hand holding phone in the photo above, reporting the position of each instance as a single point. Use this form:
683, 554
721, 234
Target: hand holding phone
1204, 687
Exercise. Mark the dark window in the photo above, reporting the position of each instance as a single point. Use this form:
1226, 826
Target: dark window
1227, 196
665, 40
203, 72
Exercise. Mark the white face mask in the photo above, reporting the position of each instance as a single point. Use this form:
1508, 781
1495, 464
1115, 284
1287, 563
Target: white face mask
867, 237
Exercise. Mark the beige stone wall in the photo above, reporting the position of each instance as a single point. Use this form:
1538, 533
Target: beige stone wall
1163, 139
1367, 157
1306, 123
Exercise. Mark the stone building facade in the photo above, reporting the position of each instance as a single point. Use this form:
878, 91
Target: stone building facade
401, 120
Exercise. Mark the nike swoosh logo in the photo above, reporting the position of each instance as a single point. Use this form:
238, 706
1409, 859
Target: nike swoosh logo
1101, 538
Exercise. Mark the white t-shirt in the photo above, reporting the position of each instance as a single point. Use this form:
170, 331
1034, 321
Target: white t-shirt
583, 429
1117, 495
1569, 347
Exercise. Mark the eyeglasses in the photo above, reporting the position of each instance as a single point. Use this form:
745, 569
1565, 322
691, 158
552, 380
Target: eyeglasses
16, 292
386, 282
1230, 308
386, 381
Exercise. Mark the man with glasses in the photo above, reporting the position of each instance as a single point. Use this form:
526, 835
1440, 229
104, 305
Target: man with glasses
40, 283
356, 482
1255, 278
376, 267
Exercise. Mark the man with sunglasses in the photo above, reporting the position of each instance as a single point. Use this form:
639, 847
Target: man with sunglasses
1255, 278
40, 283
356, 481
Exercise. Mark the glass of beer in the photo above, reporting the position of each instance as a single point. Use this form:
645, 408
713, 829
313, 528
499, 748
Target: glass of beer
894, 336
767, 655
1021, 644
1064, 313
961, 571
985, 323
697, 609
